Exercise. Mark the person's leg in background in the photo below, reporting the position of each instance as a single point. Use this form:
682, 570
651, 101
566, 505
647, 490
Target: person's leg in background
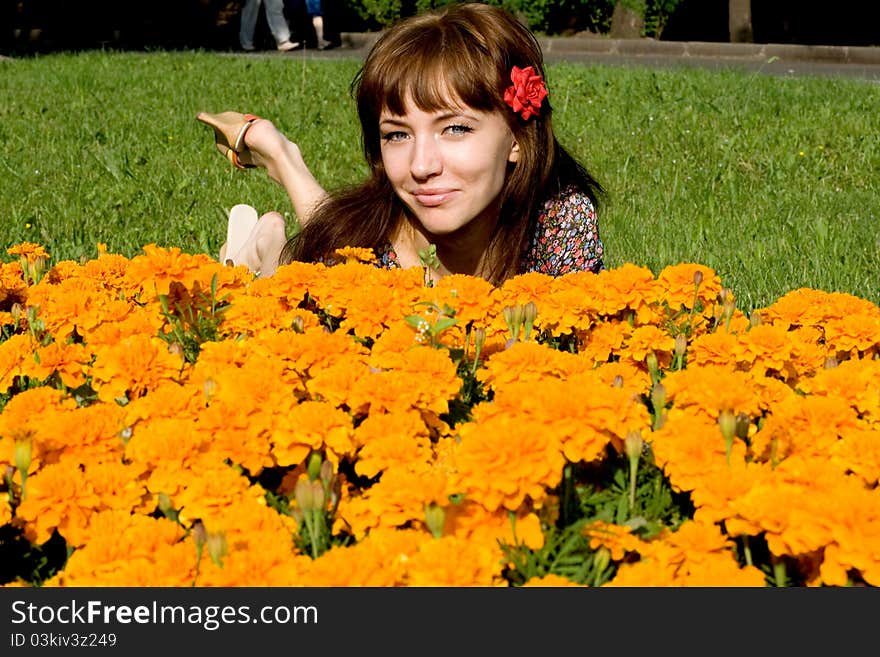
250, 12
316, 12
278, 24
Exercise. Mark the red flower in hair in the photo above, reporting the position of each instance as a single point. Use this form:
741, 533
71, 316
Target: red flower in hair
526, 93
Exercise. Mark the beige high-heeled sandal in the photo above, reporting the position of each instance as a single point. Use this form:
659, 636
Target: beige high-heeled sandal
229, 131
242, 220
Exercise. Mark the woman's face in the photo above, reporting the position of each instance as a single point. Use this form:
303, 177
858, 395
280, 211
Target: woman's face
447, 166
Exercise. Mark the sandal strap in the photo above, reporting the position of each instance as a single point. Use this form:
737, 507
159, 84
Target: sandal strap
239, 141
232, 156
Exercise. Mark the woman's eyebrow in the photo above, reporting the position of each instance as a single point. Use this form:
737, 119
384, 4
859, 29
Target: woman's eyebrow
445, 116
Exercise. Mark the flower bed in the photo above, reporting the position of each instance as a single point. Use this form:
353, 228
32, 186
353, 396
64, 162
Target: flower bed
167, 421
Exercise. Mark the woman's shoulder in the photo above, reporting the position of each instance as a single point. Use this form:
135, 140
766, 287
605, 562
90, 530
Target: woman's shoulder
569, 205
566, 236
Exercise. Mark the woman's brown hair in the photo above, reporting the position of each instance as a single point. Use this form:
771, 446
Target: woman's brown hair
469, 50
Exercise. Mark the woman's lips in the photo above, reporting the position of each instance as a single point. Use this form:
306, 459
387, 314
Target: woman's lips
432, 197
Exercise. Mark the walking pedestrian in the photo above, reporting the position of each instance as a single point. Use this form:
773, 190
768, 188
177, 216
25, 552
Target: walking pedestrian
250, 13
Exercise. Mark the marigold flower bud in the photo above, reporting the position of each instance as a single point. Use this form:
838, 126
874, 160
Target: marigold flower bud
698, 278
435, 519
743, 422
653, 365
601, 559
681, 343
479, 338
38, 268
217, 547
831, 363
530, 313
658, 397
618, 381
633, 444
727, 424
199, 533
314, 465
317, 495
15, 311
326, 473
513, 315
164, 503
23, 455
303, 494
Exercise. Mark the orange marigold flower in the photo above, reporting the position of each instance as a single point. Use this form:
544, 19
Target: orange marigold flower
14, 351
711, 389
632, 378
649, 339
74, 304
768, 348
12, 284
853, 334
530, 361
520, 289
581, 413
807, 307
356, 254
312, 425
617, 539
858, 452
453, 561
550, 580
472, 521
134, 366
698, 554
153, 272
58, 496
808, 351
35, 415
677, 284
469, 296
629, 288
68, 360
392, 438
803, 425
379, 559
689, 447
604, 341
29, 250
505, 462
398, 499
719, 348
125, 549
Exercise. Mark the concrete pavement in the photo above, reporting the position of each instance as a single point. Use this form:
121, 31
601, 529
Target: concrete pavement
779, 59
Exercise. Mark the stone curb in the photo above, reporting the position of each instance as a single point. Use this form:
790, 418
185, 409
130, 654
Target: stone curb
863, 55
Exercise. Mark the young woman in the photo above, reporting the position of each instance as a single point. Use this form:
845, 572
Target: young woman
457, 131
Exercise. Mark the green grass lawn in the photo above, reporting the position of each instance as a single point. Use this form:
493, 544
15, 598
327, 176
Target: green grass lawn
773, 182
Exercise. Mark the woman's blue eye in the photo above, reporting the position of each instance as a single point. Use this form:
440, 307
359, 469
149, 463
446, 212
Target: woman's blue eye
393, 136
459, 129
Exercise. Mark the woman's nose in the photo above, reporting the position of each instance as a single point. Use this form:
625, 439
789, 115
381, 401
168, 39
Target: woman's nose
426, 160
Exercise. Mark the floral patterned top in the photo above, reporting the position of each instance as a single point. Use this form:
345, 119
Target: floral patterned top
566, 238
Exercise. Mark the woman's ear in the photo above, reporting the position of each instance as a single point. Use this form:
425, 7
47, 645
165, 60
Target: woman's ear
514, 152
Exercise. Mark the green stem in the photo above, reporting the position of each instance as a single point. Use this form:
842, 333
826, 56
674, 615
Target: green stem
633, 470
309, 517
779, 574
198, 563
